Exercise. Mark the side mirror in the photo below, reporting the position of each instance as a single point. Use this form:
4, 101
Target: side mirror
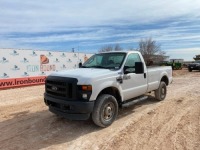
80, 65
139, 67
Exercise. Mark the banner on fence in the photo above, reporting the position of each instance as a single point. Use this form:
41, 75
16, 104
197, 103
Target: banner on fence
29, 67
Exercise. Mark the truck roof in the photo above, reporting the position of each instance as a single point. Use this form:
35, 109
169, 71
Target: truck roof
120, 52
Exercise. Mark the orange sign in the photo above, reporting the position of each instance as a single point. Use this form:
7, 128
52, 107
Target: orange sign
44, 59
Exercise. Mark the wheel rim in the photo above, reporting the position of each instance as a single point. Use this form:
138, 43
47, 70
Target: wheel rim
108, 111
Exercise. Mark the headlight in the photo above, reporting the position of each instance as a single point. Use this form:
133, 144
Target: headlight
85, 91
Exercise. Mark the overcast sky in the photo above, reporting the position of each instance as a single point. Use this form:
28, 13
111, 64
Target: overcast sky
88, 25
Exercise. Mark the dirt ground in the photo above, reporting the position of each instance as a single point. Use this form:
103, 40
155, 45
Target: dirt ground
26, 123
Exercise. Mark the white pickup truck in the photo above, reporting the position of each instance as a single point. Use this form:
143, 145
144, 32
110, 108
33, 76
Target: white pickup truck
102, 85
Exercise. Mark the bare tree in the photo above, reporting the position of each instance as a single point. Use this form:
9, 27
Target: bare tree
117, 47
132, 49
108, 48
151, 51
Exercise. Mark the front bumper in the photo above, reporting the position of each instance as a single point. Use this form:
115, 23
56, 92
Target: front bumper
73, 110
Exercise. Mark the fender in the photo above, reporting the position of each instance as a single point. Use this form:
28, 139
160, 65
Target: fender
102, 85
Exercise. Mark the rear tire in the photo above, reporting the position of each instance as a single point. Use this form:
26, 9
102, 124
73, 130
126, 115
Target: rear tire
105, 110
190, 70
161, 92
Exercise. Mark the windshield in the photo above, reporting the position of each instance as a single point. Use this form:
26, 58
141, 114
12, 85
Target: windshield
105, 60
197, 61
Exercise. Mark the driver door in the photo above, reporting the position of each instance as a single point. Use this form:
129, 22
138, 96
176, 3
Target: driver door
133, 84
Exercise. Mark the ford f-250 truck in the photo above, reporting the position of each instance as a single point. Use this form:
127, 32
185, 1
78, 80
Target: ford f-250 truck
102, 85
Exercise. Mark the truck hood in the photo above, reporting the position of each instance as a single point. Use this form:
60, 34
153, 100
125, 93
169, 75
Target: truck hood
86, 75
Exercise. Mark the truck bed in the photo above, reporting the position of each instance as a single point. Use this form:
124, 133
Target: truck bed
152, 76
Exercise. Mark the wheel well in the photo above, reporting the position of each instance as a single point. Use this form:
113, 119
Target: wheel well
165, 79
112, 91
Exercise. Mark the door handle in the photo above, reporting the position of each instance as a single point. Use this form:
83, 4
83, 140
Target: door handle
145, 75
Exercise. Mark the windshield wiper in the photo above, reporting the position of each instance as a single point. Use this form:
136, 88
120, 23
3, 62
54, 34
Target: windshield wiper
84, 67
93, 67
97, 67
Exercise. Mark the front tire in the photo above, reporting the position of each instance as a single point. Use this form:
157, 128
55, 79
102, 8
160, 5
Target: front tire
161, 92
105, 110
190, 70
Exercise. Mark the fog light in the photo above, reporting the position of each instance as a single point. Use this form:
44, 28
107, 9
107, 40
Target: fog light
84, 96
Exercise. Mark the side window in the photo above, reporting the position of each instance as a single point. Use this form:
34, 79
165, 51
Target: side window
130, 62
132, 58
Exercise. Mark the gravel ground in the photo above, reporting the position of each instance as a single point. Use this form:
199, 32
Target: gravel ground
26, 123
